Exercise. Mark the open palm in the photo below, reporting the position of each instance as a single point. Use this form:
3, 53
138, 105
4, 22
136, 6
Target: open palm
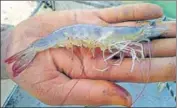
61, 76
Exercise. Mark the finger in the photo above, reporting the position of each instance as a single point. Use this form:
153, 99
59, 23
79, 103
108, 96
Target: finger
141, 11
161, 69
161, 48
85, 66
84, 92
171, 25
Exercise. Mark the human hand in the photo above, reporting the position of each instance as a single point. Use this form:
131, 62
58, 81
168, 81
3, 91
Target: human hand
58, 77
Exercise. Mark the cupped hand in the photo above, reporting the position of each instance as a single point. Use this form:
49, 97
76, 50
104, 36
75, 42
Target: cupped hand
59, 76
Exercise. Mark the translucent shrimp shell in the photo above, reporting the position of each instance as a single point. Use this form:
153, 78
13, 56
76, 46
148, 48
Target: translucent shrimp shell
88, 35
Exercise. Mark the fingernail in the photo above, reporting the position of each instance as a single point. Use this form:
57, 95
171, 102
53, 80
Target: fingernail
120, 96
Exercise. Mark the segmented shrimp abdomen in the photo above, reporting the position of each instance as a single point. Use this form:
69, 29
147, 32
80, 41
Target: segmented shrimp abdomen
49, 41
82, 31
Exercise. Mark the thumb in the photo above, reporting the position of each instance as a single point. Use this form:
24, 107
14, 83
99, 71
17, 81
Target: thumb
96, 92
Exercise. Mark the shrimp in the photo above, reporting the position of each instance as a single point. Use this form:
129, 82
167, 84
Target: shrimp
90, 36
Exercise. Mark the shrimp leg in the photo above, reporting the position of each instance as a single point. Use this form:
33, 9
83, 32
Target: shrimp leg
121, 55
121, 48
132, 51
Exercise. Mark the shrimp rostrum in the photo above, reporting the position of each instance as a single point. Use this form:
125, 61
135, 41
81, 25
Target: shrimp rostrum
115, 39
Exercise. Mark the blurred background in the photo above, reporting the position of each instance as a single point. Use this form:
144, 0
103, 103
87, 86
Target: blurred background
13, 12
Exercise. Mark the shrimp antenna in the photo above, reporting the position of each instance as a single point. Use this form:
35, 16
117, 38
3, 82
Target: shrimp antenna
148, 77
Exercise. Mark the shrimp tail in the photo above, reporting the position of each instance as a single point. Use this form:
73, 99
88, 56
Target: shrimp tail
22, 60
14, 57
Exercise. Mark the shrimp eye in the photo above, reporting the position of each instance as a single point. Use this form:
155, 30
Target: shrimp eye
153, 23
